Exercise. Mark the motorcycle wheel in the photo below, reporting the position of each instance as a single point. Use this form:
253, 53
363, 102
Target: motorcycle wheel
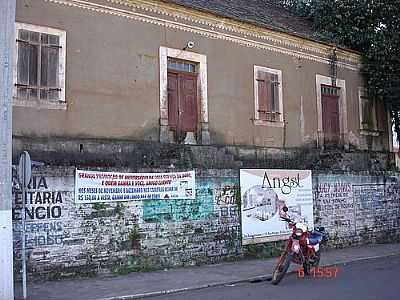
312, 262
281, 268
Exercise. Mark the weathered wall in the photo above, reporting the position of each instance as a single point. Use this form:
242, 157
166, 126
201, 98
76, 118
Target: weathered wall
136, 154
67, 239
112, 76
358, 208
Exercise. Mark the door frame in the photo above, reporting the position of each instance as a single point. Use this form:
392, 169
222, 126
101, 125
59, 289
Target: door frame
165, 135
343, 129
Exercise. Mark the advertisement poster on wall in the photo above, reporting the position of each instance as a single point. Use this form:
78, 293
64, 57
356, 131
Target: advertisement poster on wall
264, 192
97, 186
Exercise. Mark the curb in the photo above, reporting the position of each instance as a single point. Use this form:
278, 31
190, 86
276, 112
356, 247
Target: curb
254, 279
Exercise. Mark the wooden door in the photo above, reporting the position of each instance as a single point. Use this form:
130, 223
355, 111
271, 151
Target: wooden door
182, 101
188, 103
330, 119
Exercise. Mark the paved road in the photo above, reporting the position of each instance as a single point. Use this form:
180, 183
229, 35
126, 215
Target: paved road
377, 279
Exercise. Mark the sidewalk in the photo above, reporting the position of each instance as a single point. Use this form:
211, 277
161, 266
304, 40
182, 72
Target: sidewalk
138, 285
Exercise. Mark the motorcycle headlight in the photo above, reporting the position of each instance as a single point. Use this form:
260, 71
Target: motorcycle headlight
298, 232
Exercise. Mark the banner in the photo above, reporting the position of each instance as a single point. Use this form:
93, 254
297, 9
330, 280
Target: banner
95, 186
264, 193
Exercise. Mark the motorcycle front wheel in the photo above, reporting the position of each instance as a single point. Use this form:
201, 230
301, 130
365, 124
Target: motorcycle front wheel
281, 268
313, 261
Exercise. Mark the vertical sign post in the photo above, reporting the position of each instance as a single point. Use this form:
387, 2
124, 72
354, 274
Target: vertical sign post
24, 176
7, 41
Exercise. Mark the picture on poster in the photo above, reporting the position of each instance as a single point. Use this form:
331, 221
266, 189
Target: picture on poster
264, 193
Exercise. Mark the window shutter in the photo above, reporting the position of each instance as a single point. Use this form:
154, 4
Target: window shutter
27, 68
275, 97
262, 94
366, 121
268, 95
381, 116
23, 63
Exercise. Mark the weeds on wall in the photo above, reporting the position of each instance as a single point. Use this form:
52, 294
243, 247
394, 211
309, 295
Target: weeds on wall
264, 250
99, 206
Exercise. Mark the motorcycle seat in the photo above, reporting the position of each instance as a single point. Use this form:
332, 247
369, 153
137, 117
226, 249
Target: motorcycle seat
314, 238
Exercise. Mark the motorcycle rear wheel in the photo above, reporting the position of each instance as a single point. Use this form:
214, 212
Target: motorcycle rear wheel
281, 268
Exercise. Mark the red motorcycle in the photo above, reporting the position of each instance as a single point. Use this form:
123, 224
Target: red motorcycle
302, 248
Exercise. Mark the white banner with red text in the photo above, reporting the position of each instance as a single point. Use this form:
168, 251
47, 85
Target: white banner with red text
97, 186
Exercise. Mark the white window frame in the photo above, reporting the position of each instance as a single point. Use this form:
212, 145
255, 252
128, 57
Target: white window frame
362, 93
40, 103
257, 120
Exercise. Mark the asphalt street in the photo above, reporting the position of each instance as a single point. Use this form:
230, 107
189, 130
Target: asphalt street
377, 279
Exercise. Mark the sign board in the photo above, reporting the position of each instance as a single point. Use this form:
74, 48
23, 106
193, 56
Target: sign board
97, 186
264, 192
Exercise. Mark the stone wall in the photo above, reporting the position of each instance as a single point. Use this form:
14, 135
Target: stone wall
357, 208
142, 154
67, 239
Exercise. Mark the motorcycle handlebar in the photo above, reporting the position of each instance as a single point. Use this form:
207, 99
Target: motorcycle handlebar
287, 220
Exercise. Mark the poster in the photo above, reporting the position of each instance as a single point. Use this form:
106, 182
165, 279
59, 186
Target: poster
97, 186
264, 193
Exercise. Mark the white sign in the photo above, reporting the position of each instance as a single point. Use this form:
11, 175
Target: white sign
264, 193
95, 186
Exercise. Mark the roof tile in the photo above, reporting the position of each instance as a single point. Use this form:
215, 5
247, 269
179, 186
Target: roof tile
262, 13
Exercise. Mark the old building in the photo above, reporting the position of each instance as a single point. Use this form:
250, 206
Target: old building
195, 72
210, 86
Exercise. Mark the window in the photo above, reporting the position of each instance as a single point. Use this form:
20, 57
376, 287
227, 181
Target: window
330, 90
181, 65
268, 96
372, 114
40, 64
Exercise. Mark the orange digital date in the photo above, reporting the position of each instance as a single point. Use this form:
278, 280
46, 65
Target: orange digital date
320, 272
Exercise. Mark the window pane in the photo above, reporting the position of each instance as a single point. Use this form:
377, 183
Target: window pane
44, 38
178, 65
367, 114
330, 90
23, 63
33, 64
34, 36
52, 73
44, 67
23, 35
54, 40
